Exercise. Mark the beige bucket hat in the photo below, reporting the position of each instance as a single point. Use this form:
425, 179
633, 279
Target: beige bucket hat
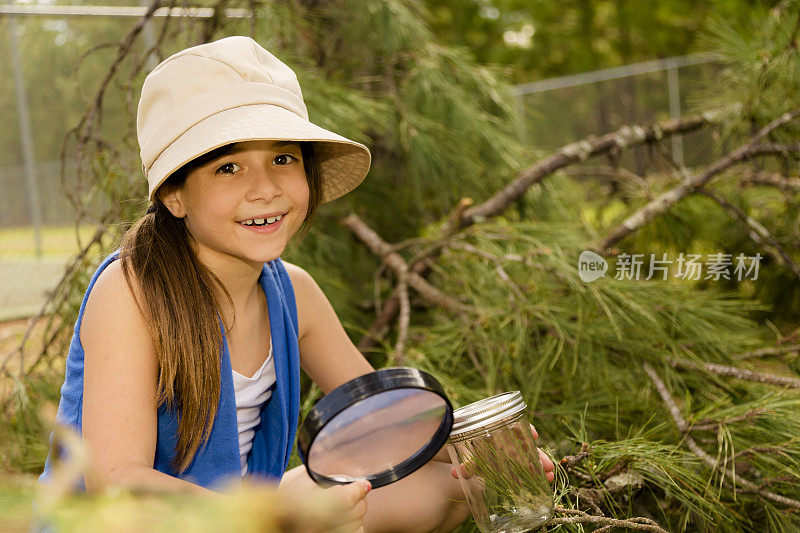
228, 91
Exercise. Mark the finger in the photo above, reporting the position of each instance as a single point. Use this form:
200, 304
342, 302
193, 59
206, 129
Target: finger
350, 527
360, 509
547, 464
534, 432
352, 519
462, 472
352, 493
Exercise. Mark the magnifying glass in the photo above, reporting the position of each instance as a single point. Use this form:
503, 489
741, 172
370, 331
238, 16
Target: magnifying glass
381, 427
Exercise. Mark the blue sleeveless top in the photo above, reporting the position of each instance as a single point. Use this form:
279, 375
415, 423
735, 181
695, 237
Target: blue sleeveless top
217, 461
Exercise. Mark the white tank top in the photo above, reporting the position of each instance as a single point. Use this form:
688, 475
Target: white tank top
251, 393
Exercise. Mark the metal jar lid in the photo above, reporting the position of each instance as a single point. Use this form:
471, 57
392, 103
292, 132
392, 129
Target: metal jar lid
486, 413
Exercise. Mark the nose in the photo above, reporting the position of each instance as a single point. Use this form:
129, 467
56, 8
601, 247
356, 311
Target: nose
263, 184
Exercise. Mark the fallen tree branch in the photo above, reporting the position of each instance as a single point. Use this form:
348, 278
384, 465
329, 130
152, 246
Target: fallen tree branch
760, 449
614, 175
739, 373
705, 425
463, 215
771, 179
571, 461
764, 352
90, 122
59, 295
405, 317
625, 137
396, 262
606, 523
753, 148
757, 232
729, 476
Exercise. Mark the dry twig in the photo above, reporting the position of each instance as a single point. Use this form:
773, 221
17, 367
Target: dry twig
739, 373
752, 148
464, 216
579, 517
405, 316
765, 352
625, 137
59, 295
772, 179
570, 461
728, 475
706, 425
398, 264
756, 231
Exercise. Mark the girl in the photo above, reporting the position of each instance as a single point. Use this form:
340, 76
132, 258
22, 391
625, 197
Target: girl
184, 367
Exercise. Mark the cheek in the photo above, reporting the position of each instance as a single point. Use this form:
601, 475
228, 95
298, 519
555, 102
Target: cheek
209, 211
301, 195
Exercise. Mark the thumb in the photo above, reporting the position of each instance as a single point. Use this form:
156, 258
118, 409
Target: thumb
353, 493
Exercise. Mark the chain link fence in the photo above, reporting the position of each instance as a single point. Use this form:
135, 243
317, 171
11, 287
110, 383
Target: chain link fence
37, 229
563, 110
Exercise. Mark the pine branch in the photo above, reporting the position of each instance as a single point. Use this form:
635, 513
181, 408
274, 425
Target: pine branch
476, 363
606, 523
753, 148
704, 425
739, 373
772, 179
395, 261
405, 316
615, 174
764, 352
75, 265
759, 449
91, 120
729, 476
463, 215
758, 233
571, 461
623, 138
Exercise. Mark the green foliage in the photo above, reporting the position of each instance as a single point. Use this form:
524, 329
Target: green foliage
549, 38
24, 449
442, 127
762, 63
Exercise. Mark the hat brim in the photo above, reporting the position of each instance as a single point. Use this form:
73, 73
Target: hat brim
343, 163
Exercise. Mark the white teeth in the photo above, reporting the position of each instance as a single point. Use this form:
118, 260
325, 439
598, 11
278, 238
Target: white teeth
261, 221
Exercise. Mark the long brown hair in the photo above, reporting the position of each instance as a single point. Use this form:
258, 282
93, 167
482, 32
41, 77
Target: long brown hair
180, 302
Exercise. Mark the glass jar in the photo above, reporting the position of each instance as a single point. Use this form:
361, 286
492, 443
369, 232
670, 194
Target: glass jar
497, 462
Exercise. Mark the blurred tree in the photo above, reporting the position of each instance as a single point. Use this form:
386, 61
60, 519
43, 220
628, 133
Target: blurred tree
544, 38
619, 365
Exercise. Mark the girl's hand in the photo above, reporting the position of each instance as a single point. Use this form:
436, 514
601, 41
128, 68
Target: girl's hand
547, 464
353, 496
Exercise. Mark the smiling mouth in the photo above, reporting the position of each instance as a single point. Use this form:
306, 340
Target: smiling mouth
260, 221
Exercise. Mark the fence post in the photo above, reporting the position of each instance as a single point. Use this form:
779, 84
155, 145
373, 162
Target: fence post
674, 91
149, 40
31, 178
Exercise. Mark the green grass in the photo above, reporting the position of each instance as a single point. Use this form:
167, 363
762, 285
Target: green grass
57, 241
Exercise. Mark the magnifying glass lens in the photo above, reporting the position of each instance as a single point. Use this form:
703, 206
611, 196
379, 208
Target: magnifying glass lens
376, 434
380, 426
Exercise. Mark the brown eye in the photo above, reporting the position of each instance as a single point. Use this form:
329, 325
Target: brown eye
285, 159
227, 168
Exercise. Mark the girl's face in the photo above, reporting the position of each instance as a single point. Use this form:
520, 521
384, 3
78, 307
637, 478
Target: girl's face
246, 204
